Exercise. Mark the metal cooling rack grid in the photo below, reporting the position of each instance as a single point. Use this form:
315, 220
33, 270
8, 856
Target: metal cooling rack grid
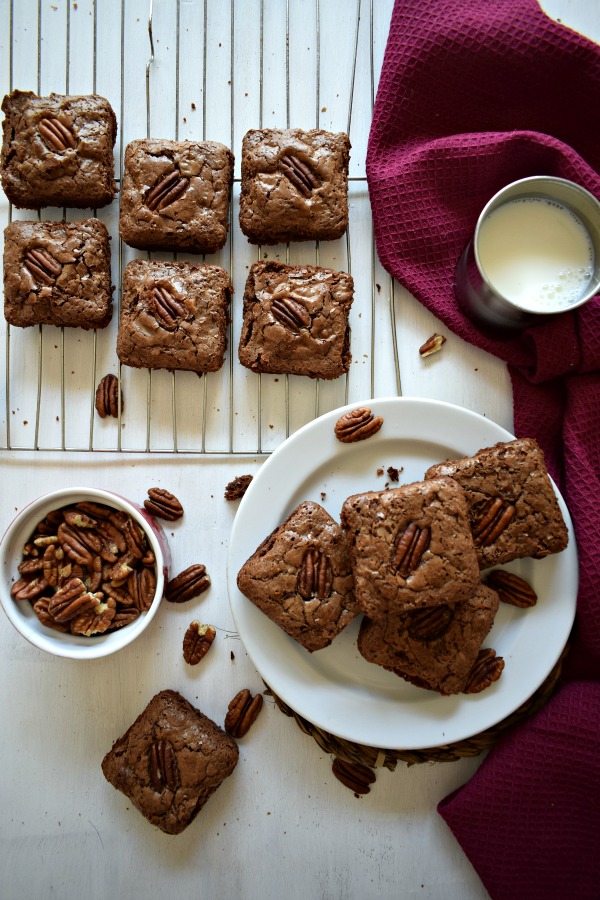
199, 68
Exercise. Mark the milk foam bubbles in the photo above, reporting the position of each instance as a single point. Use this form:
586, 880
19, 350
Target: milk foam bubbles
537, 253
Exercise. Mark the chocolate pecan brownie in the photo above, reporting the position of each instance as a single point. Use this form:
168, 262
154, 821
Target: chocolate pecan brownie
434, 648
294, 185
174, 316
57, 273
170, 761
300, 577
410, 547
58, 150
513, 509
296, 320
175, 195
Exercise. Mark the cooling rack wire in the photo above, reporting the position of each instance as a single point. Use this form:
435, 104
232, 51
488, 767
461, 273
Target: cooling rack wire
191, 69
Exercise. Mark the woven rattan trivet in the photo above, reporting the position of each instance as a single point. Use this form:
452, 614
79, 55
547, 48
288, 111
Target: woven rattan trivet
373, 757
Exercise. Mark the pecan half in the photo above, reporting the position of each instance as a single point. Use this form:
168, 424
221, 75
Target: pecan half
71, 600
299, 173
511, 589
290, 312
238, 487
490, 520
487, 669
197, 641
166, 191
95, 621
353, 775
409, 547
56, 135
190, 583
41, 610
107, 397
242, 713
167, 308
162, 766
357, 425
53, 557
29, 566
142, 587
430, 623
28, 589
74, 543
315, 578
163, 504
432, 345
42, 265
124, 615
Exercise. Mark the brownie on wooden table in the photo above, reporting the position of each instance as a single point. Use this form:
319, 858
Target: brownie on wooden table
174, 316
512, 506
294, 185
170, 761
58, 150
433, 648
296, 320
175, 195
300, 577
57, 273
410, 547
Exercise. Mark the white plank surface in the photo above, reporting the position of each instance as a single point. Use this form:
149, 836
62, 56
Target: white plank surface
281, 825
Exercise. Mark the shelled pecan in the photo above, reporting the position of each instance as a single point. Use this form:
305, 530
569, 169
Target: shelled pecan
197, 641
409, 547
511, 589
242, 713
107, 397
190, 583
487, 669
355, 776
357, 425
163, 504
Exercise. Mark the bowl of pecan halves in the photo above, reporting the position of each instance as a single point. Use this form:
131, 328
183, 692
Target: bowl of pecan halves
83, 572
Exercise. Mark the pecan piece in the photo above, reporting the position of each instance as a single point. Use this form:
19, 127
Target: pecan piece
299, 173
430, 623
315, 578
72, 542
97, 620
491, 520
42, 265
190, 583
353, 775
488, 668
28, 589
142, 587
167, 308
357, 425
53, 557
41, 610
107, 397
409, 547
163, 504
71, 600
432, 345
290, 312
238, 487
162, 766
94, 510
166, 191
29, 566
511, 589
242, 713
197, 641
124, 616
56, 135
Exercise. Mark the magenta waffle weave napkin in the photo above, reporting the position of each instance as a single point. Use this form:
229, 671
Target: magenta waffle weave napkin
475, 94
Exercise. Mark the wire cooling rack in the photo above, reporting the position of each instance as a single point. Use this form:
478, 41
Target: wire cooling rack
210, 70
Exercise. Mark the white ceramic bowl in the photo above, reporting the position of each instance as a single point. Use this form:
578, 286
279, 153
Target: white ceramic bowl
21, 612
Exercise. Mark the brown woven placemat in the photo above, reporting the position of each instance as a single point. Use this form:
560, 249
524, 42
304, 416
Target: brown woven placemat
373, 757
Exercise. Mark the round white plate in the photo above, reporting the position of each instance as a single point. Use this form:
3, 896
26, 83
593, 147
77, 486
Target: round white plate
336, 689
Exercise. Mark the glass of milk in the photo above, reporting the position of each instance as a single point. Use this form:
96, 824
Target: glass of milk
535, 253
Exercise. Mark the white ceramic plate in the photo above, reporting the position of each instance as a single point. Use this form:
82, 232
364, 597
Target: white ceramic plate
336, 689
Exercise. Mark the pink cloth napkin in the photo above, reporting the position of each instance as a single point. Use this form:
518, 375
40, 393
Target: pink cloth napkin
475, 94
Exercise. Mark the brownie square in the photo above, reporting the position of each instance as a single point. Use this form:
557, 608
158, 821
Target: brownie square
58, 150
174, 316
175, 195
300, 577
57, 273
296, 320
513, 509
170, 761
294, 185
432, 648
410, 547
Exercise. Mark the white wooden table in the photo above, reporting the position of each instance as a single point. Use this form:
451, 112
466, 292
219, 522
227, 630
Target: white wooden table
282, 825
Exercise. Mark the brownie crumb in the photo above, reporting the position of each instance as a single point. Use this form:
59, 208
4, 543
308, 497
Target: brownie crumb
379, 472
394, 473
238, 487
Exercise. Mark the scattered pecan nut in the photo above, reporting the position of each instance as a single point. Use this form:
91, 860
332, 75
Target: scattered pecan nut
162, 766
487, 669
242, 713
432, 345
357, 425
431, 622
163, 504
107, 397
197, 641
490, 520
355, 776
315, 577
238, 487
511, 589
409, 547
190, 583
